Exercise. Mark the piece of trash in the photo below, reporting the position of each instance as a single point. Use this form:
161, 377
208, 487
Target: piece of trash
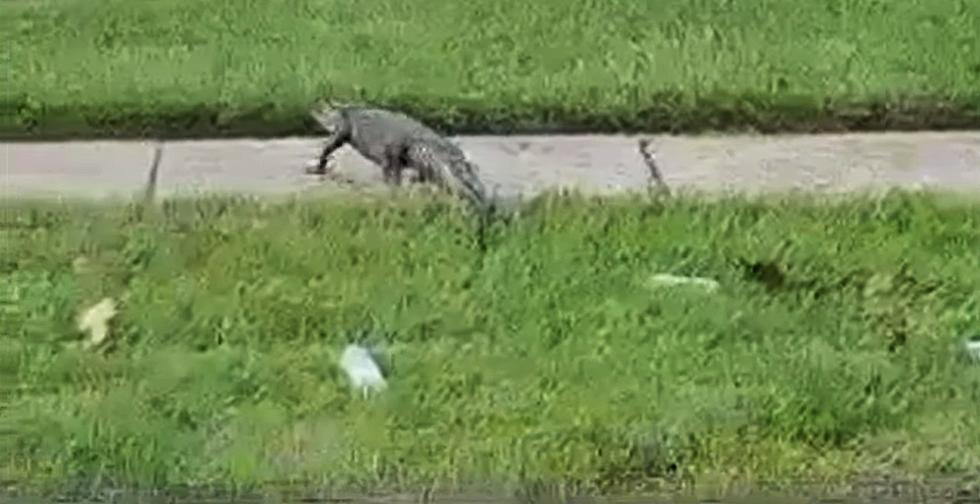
972, 346
80, 264
362, 370
95, 321
668, 280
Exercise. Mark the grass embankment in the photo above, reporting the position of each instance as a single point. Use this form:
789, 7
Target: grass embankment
227, 67
829, 351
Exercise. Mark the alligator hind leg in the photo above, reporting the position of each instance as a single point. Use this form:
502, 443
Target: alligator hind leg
394, 165
391, 169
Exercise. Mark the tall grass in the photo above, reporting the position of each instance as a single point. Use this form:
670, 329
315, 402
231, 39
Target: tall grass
830, 350
195, 67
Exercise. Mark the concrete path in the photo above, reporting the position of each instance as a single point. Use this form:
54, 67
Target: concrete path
518, 164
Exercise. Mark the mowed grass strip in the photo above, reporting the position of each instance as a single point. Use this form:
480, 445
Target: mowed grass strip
233, 67
831, 349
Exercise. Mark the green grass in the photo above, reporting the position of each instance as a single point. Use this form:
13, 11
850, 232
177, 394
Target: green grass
233, 67
548, 358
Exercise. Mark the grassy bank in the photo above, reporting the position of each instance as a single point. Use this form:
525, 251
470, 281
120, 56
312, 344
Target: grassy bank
829, 351
227, 67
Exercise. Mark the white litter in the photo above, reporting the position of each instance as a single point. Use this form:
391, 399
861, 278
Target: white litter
972, 347
95, 322
362, 370
668, 280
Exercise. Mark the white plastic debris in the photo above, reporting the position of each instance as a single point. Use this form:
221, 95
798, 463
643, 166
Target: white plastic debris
95, 321
972, 347
362, 370
668, 280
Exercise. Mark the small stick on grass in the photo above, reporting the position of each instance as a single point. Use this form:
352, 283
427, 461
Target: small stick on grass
141, 205
656, 178
154, 174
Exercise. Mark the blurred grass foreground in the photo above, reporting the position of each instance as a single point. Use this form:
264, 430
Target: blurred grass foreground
830, 348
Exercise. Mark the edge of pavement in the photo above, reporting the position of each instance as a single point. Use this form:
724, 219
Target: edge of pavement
512, 165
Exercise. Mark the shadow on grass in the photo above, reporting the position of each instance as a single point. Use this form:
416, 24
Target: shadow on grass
666, 113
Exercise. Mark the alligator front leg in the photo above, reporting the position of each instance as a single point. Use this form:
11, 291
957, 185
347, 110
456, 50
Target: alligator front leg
330, 145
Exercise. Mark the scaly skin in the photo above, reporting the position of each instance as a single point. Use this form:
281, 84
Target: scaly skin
394, 141
439, 161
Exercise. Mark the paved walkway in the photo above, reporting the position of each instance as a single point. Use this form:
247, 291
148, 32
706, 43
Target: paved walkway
518, 164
